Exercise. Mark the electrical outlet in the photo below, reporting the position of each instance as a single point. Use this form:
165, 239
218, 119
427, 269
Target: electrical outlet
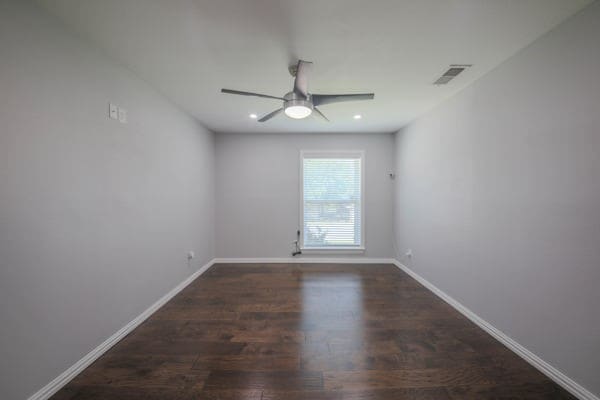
191, 255
113, 111
409, 253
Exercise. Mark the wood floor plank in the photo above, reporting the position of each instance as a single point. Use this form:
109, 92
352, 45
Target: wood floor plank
308, 331
407, 378
374, 394
282, 380
73, 392
258, 362
524, 391
228, 394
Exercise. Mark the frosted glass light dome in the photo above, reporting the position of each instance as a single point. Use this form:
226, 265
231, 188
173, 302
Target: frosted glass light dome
298, 111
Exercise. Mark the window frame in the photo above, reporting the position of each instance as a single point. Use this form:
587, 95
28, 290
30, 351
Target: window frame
361, 248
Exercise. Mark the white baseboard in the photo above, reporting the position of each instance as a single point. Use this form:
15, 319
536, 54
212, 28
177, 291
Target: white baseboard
557, 376
64, 378
305, 260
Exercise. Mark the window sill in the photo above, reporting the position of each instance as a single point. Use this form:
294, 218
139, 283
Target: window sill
333, 250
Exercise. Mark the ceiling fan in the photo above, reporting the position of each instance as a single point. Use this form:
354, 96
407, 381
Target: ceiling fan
299, 103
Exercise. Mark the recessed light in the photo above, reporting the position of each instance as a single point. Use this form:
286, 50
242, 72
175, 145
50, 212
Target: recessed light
357, 116
253, 116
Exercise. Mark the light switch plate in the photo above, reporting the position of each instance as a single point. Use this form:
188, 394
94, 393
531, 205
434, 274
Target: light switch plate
113, 111
122, 115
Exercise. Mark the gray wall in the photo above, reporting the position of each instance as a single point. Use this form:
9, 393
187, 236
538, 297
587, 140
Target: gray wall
258, 184
498, 196
96, 217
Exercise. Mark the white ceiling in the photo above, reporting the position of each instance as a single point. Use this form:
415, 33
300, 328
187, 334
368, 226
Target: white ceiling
190, 49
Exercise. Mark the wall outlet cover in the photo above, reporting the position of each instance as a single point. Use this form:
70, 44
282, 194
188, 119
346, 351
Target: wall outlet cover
113, 111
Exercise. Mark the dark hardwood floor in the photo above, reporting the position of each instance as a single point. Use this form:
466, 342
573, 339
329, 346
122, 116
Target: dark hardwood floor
310, 332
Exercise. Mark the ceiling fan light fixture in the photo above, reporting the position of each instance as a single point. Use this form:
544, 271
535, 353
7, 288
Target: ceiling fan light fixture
297, 108
298, 111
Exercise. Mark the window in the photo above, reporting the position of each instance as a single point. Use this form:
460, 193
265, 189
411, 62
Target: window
332, 203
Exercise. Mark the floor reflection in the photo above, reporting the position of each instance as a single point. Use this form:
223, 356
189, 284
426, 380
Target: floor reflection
332, 308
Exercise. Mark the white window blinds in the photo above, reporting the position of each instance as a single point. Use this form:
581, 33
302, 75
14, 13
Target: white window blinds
332, 200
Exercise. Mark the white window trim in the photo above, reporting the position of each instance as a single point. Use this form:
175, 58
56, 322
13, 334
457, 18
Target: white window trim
333, 154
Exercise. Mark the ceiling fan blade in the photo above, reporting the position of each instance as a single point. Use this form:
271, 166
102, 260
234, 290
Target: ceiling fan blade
270, 115
301, 81
229, 91
320, 114
321, 99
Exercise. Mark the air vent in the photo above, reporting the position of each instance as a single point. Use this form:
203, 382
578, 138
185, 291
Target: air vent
451, 73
